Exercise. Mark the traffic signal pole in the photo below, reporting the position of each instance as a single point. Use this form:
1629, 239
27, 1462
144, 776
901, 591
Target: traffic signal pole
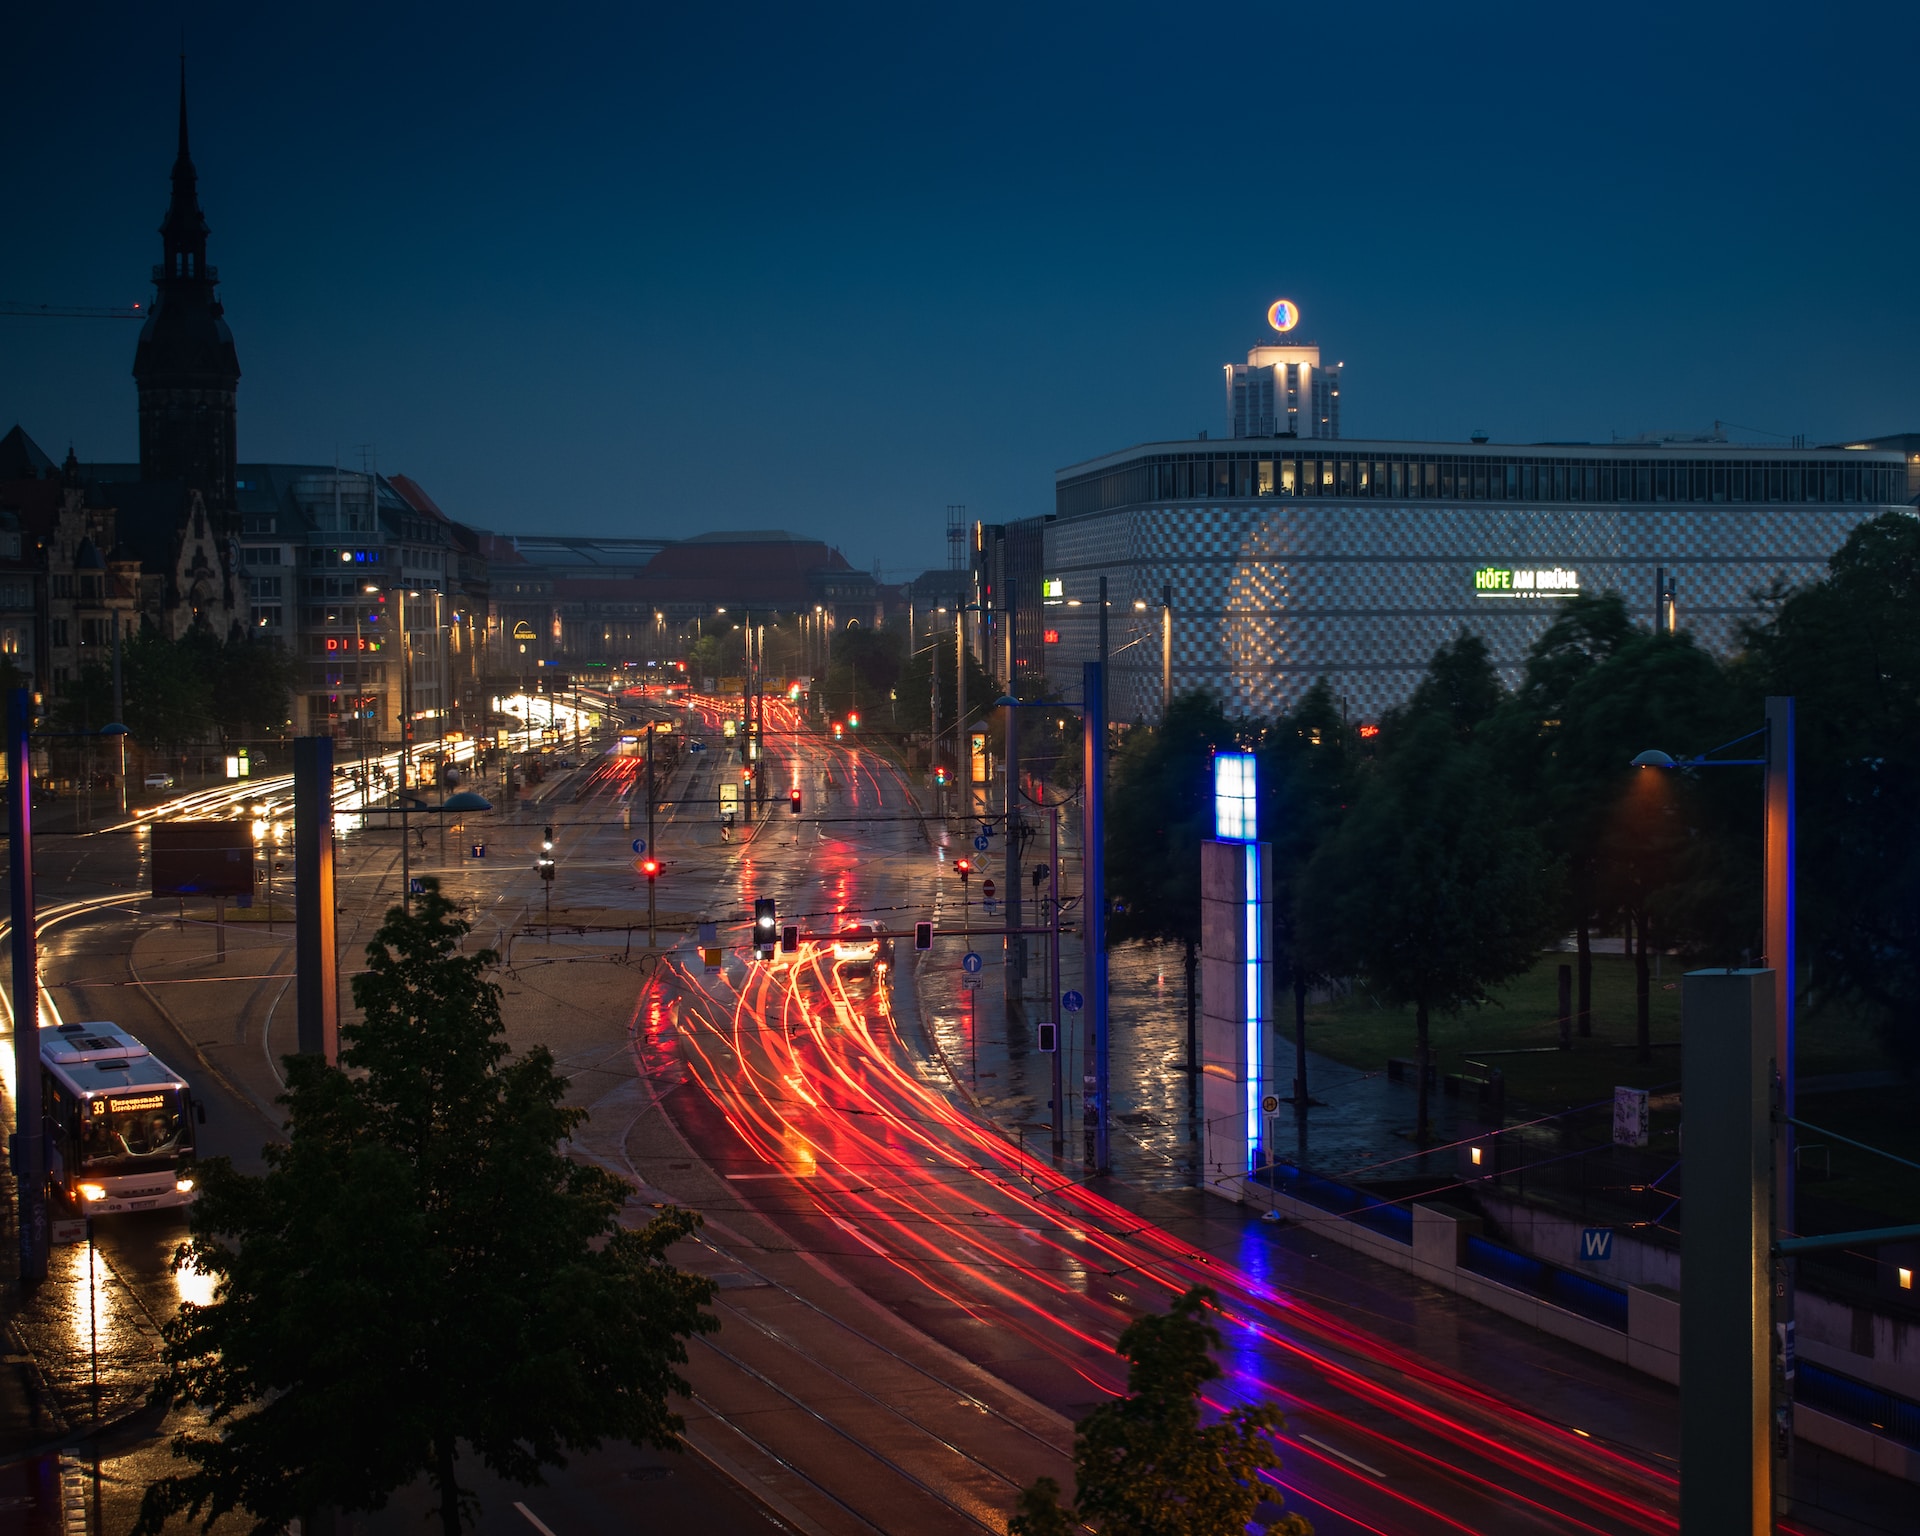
1053, 1009
1093, 803
652, 852
30, 1143
1016, 944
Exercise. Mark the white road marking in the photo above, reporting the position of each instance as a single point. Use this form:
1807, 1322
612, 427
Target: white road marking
1317, 1444
532, 1519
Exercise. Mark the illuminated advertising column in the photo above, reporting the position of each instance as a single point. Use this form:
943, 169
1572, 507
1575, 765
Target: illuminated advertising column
1236, 978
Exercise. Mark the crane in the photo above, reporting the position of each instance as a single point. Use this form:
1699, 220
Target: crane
75, 311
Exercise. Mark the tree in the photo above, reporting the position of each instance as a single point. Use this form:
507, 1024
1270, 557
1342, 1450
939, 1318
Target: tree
863, 673
1159, 811
1307, 766
1848, 649
1585, 632
1144, 1465
1429, 886
1661, 847
420, 1268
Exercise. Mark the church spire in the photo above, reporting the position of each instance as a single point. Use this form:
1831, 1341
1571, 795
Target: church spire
184, 230
184, 362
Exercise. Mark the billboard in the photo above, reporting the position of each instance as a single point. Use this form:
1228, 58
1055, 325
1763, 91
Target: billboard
202, 858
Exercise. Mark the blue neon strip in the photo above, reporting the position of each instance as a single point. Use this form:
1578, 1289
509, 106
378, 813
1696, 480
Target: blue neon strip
1255, 955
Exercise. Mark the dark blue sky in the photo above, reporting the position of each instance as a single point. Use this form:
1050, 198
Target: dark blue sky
652, 270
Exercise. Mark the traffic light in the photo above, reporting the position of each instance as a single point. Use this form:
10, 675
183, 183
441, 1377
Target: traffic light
651, 869
546, 840
766, 927
923, 935
853, 720
1049, 1038
793, 802
790, 939
964, 869
940, 776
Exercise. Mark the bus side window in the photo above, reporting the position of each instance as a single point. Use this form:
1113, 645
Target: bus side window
199, 1113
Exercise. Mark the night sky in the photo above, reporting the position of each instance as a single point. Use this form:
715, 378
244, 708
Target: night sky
656, 270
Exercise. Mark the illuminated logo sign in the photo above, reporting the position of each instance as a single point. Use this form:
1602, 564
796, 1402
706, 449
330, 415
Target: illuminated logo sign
1502, 581
1053, 586
1050, 636
1283, 315
523, 631
1233, 797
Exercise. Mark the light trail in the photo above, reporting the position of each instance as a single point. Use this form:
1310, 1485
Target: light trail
812, 1080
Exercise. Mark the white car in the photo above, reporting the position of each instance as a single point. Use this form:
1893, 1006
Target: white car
158, 781
862, 946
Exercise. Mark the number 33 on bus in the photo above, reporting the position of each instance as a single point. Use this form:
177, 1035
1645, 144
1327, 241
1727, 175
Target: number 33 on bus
119, 1119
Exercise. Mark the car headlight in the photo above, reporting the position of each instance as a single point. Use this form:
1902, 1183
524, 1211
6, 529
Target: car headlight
93, 1192
185, 1186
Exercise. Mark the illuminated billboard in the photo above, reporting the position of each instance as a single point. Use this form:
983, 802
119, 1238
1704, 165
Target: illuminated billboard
1511, 581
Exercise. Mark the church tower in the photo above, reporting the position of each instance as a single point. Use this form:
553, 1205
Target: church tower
185, 364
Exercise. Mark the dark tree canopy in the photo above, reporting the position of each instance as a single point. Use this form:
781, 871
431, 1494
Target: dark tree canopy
421, 1273
1146, 1465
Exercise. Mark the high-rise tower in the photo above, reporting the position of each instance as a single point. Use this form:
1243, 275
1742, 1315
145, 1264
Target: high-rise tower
185, 364
1283, 389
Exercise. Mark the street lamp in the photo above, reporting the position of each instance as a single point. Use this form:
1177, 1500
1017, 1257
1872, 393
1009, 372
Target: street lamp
1776, 736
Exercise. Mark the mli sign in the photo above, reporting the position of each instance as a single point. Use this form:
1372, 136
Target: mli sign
1504, 581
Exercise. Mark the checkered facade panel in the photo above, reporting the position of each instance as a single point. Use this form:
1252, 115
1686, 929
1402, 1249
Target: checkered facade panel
1269, 595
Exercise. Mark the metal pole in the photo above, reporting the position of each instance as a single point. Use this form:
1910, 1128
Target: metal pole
652, 852
1094, 900
1102, 657
1016, 952
30, 1145
1726, 1051
963, 758
1166, 648
119, 711
316, 980
1053, 1008
1782, 958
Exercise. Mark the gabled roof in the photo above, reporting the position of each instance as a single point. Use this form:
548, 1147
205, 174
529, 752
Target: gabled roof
21, 458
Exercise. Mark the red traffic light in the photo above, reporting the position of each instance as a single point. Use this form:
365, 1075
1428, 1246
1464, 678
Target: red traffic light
853, 720
963, 868
650, 868
793, 802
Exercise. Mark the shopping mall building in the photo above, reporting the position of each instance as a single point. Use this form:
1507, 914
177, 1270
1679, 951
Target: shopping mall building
1253, 565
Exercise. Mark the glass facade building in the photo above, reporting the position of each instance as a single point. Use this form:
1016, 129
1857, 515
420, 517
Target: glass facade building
1288, 559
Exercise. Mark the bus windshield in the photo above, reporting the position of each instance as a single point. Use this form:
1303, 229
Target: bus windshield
143, 1126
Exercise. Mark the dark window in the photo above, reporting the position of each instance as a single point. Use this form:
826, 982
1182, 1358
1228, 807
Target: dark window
1430, 478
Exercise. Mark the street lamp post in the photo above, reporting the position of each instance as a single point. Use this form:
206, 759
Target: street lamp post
29, 1147
1777, 927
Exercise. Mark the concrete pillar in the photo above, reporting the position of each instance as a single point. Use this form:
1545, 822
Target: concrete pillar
1727, 1046
1236, 1007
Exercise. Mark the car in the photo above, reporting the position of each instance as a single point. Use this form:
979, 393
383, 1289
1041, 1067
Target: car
863, 947
696, 746
158, 781
565, 762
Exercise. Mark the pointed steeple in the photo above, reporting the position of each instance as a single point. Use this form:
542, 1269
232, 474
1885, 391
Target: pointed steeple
185, 363
183, 232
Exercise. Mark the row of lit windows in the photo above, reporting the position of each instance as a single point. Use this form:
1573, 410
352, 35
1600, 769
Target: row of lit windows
1463, 478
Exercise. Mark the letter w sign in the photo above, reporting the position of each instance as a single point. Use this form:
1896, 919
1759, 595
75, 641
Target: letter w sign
1596, 1243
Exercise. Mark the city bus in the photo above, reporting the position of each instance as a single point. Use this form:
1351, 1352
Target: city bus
120, 1121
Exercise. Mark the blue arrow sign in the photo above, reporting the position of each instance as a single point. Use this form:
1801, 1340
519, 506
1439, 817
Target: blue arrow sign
980, 843
639, 845
971, 963
1073, 1002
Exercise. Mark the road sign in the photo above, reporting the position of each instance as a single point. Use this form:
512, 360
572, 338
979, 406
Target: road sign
479, 850
639, 845
1270, 1104
971, 963
416, 886
969, 983
980, 842
1596, 1243
1073, 1002
988, 905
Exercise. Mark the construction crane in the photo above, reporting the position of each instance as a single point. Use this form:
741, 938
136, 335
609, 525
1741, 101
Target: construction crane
75, 311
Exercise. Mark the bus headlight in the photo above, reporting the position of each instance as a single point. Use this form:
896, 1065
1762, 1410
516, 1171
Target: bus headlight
93, 1192
185, 1186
